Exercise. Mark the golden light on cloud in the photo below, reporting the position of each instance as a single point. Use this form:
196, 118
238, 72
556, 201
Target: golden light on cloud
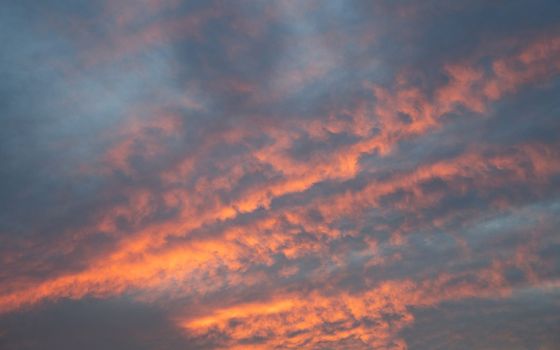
279, 175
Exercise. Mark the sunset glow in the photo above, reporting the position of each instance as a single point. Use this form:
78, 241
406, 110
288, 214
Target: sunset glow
284, 174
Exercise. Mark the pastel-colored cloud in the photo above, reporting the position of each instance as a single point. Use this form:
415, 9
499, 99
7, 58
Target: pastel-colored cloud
280, 175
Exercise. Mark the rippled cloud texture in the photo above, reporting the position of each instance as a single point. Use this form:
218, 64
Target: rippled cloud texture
279, 174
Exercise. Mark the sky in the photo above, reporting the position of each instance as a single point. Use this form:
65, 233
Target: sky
290, 174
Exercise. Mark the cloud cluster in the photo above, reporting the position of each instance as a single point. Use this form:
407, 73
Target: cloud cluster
279, 175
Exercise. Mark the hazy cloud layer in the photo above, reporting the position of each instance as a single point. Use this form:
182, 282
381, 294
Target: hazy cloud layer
279, 174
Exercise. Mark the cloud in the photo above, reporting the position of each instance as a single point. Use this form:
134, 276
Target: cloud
277, 175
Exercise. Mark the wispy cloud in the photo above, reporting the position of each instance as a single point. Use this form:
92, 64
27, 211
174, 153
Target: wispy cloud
279, 175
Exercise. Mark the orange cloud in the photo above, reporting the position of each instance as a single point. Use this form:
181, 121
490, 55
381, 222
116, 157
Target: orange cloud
242, 230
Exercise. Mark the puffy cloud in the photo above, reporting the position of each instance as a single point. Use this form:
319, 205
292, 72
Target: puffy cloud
278, 175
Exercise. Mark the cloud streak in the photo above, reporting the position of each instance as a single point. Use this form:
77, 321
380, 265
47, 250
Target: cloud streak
279, 175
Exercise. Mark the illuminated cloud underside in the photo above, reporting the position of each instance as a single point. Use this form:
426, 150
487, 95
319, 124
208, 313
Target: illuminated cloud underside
280, 174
